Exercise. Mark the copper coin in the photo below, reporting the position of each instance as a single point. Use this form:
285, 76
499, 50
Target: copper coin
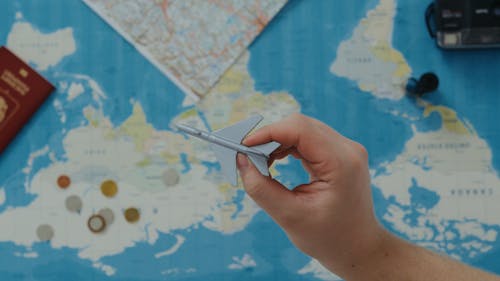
63, 181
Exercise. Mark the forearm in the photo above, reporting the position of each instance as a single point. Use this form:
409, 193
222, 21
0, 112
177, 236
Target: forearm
395, 259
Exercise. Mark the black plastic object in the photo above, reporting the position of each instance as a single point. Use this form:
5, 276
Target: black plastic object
427, 83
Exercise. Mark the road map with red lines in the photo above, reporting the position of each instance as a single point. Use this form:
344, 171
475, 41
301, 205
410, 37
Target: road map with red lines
193, 42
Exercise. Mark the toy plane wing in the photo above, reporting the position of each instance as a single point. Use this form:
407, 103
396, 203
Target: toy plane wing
236, 133
226, 143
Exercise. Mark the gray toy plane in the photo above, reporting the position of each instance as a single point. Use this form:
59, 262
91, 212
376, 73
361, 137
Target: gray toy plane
226, 143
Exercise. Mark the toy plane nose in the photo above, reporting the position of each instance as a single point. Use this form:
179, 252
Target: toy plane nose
187, 129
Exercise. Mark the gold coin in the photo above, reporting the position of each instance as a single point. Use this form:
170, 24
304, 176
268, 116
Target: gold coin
63, 181
109, 188
132, 215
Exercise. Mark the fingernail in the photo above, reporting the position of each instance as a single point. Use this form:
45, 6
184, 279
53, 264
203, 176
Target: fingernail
242, 161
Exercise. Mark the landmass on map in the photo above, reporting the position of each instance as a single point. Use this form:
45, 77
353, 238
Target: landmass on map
193, 42
442, 189
94, 152
368, 57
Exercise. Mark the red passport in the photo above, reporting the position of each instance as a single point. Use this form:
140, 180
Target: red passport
22, 91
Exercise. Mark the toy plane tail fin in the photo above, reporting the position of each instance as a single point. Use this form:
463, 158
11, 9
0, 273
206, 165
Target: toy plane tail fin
260, 163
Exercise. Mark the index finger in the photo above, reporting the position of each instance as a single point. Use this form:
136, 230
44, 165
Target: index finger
309, 136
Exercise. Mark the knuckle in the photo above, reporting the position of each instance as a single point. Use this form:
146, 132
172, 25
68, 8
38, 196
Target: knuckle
358, 156
361, 151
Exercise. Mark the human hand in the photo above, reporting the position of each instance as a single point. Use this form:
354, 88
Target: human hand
331, 218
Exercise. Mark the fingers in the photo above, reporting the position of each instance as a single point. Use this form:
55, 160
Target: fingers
281, 153
309, 137
269, 194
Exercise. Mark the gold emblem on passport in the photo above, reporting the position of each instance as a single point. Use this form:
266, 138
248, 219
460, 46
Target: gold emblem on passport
23, 72
8, 107
3, 109
14, 82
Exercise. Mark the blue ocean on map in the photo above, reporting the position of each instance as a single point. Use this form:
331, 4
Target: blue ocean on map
293, 54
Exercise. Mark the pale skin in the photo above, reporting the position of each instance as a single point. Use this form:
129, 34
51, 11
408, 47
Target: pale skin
331, 218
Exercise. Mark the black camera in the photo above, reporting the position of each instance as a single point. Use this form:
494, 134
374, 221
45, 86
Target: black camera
464, 24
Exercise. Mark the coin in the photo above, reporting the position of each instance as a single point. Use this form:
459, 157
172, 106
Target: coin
132, 215
108, 215
74, 204
170, 177
63, 181
109, 188
45, 232
96, 223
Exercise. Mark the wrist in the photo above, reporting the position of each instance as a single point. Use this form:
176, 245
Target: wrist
365, 256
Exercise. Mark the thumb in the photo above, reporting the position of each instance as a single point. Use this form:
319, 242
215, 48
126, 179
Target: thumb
269, 194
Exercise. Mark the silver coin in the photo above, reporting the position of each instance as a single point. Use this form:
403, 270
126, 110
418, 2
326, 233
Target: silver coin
108, 215
171, 177
74, 203
45, 232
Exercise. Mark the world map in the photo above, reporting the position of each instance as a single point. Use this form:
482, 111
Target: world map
433, 160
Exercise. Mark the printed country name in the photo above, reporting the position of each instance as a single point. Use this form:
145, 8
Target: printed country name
472, 192
443, 146
38, 45
94, 152
359, 60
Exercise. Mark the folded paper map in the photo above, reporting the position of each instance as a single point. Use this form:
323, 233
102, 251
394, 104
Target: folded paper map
193, 42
